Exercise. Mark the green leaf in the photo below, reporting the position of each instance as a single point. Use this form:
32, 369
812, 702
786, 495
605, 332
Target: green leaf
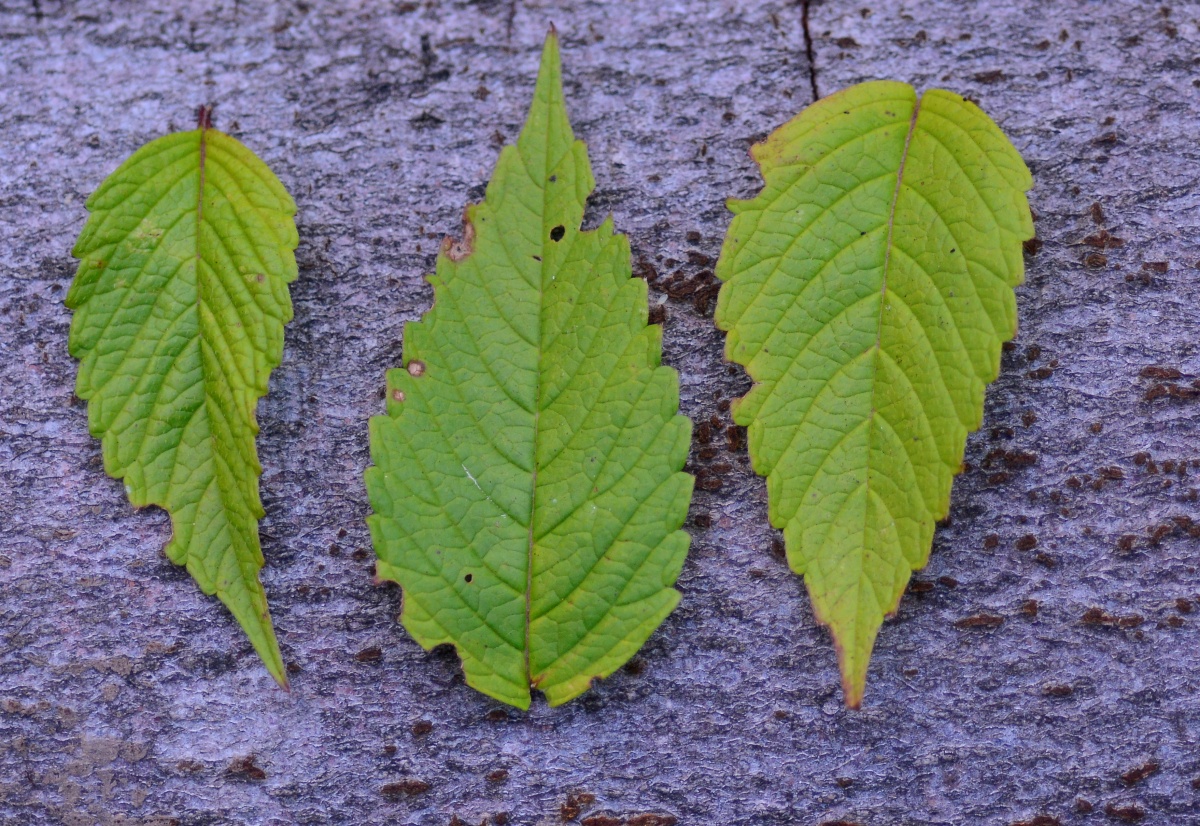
180, 301
869, 287
526, 486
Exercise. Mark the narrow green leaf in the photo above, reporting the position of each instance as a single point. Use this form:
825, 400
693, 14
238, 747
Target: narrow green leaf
180, 301
869, 287
526, 485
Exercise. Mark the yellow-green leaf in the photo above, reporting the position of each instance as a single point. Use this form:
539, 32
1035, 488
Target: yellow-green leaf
869, 287
180, 301
527, 487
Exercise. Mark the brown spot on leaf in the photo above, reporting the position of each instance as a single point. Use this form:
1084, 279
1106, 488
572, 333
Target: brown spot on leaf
458, 250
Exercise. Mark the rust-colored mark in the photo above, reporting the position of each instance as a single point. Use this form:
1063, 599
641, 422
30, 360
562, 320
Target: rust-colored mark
980, 621
458, 250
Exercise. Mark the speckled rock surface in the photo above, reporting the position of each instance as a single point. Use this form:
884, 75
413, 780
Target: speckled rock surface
1046, 663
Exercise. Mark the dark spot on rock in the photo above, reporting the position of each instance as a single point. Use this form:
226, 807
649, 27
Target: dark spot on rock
1095, 260
407, 787
1040, 820
575, 805
496, 715
421, 728
371, 654
1161, 373
1027, 542
1032, 246
1097, 212
980, 621
1098, 617
244, 768
651, 819
602, 820
658, 314
497, 776
1057, 690
1104, 240
1041, 373
778, 549
1157, 267
644, 270
426, 120
991, 542
1140, 773
993, 76
693, 237
1127, 814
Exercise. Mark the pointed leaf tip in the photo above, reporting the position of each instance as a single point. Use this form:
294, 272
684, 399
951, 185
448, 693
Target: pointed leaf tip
915, 275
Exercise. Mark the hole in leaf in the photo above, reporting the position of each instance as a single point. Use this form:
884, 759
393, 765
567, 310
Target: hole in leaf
557, 233
468, 578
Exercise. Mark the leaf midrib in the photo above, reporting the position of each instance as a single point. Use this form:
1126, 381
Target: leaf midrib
887, 260
201, 301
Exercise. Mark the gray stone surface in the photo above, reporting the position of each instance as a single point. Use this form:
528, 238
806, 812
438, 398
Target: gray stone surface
127, 697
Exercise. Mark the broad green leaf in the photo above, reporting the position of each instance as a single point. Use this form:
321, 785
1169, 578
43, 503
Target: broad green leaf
527, 487
869, 287
180, 301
